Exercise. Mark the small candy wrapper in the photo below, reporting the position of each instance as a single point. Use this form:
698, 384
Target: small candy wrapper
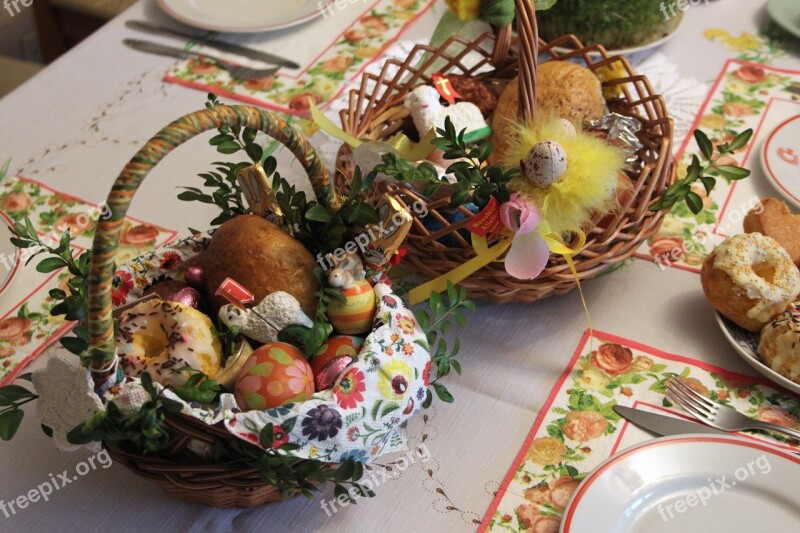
487, 222
236, 293
388, 234
622, 132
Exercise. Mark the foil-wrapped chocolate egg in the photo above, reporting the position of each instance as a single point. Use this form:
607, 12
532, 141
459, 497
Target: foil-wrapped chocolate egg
545, 163
338, 352
194, 276
188, 296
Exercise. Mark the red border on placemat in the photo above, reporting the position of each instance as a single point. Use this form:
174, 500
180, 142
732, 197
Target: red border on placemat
607, 337
690, 136
280, 109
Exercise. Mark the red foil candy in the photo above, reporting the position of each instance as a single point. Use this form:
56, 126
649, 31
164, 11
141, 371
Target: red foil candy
326, 378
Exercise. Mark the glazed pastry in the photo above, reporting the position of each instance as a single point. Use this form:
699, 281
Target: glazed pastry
564, 90
261, 257
773, 219
159, 337
750, 279
780, 343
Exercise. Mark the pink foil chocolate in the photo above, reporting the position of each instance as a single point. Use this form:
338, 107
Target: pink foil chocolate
331, 372
195, 276
188, 296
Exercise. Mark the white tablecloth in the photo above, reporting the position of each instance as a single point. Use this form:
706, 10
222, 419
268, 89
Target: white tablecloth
74, 127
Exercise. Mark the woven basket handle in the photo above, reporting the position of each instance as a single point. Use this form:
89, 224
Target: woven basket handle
528, 54
106, 239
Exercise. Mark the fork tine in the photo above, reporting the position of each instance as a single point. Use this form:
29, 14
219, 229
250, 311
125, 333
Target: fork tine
692, 400
684, 387
688, 407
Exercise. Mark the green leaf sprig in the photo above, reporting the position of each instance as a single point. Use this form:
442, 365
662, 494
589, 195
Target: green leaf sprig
73, 304
436, 324
681, 191
476, 180
198, 388
12, 398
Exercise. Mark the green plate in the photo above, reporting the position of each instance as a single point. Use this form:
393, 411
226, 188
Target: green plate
787, 14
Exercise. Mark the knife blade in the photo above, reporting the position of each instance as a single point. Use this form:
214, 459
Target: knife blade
224, 46
663, 424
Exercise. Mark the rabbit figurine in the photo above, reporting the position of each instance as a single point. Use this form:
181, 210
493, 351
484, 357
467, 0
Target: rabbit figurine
346, 272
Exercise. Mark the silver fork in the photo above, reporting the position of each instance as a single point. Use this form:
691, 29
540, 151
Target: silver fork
715, 414
237, 71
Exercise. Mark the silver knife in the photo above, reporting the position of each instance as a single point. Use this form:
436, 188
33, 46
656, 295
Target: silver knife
224, 46
663, 424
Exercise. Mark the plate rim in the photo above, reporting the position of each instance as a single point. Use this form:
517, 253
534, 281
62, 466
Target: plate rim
776, 16
195, 23
586, 483
757, 364
766, 165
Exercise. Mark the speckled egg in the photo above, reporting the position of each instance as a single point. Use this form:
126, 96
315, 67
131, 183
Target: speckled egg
566, 128
277, 373
354, 315
545, 163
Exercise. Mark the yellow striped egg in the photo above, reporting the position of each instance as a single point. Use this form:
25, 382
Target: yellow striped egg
354, 315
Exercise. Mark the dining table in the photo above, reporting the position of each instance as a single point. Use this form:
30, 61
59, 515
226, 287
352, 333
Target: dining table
67, 133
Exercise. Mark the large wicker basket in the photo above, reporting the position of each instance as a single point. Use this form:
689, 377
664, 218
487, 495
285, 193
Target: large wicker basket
179, 470
376, 112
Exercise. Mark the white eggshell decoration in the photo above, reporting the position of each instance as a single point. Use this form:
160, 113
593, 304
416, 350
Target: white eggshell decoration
545, 163
566, 128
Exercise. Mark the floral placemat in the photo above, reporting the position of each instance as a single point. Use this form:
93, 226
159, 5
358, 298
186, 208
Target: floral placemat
742, 97
26, 327
578, 428
341, 44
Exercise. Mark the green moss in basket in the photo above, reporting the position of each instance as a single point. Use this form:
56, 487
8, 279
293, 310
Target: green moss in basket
612, 23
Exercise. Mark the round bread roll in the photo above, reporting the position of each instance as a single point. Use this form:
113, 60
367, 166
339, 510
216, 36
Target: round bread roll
563, 89
750, 279
262, 257
780, 343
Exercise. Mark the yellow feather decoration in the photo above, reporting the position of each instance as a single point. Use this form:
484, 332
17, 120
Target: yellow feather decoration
587, 188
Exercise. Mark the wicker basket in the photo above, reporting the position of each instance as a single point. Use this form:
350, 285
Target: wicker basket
179, 470
376, 112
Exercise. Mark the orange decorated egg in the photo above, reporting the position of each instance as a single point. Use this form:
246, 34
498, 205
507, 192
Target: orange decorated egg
354, 315
336, 346
277, 373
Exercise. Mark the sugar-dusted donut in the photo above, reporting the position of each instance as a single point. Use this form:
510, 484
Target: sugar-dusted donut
160, 337
780, 343
750, 279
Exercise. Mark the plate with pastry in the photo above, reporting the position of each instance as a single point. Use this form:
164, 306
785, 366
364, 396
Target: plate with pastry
780, 158
753, 285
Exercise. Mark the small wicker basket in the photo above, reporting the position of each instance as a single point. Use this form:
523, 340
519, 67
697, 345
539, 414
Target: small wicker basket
376, 112
178, 469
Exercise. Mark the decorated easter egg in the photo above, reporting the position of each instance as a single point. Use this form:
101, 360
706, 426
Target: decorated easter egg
353, 315
277, 373
338, 352
545, 163
566, 128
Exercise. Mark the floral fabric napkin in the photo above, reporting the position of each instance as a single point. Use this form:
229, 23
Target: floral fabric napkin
578, 428
342, 42
26, 327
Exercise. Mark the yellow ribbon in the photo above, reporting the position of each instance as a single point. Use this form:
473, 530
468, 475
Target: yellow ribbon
400, 142
485, 255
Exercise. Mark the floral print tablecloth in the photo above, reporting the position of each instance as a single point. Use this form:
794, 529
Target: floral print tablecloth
365, 30
26, 327
578, 429
743, 93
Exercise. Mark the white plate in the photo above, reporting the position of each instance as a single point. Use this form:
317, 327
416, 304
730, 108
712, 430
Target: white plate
787, 14
9, 254
746, 345
243, 16
669, 484
780, 158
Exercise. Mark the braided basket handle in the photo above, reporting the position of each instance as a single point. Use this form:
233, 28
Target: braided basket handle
528, 54
106, 239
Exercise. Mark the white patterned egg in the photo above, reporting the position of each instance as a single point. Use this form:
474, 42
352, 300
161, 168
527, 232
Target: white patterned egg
545, 163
